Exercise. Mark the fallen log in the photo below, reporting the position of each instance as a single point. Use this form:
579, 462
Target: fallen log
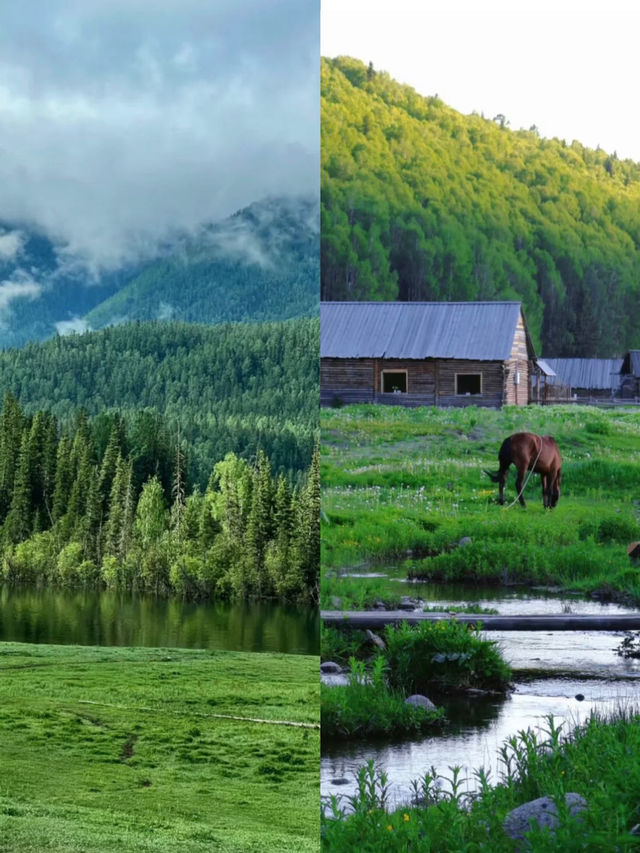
377, 619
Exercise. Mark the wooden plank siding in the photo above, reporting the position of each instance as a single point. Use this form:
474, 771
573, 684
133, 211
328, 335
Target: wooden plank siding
431, 381
518, 361
359, 381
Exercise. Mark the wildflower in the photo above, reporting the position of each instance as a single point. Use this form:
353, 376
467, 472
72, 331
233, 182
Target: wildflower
390, 828
407, 817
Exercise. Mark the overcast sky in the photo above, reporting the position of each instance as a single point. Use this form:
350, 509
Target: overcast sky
120, 119
568, 66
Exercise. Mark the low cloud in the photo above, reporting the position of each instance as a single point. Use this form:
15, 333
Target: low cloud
74, 326
10, 245
119, 126
165, 311
11, 290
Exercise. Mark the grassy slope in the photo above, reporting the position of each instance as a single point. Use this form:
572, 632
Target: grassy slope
107, 749
404, 486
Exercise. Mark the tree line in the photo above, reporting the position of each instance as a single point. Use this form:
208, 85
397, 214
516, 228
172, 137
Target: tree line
110, 504
231, 388
420, 202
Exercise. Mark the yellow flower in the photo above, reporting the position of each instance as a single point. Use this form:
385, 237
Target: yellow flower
407, 817
390, 828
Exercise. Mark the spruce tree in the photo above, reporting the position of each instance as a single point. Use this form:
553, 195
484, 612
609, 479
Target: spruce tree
18, 524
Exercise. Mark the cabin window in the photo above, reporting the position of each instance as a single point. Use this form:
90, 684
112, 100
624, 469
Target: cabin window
468, 383
394, 381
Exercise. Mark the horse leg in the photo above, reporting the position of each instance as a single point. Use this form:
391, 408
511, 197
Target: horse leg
545, 490
502, 479
554, 489
519, 480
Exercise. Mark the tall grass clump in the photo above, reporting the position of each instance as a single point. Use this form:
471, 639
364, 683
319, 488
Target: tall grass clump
340, 645
445, 655
599, 760
367, 707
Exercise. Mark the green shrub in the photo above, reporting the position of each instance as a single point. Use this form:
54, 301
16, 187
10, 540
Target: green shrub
366, 707
444, 654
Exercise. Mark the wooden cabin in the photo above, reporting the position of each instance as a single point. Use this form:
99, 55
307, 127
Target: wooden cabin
630, 375
582, 379
425, 353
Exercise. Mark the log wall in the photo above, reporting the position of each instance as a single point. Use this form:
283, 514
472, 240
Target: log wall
517, 395
430, 382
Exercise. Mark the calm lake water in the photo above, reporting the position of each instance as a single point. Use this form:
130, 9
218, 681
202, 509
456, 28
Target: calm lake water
562, 665
92, 618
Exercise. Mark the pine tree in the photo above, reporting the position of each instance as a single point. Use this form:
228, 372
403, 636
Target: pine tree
260, 521
18, 524
63, 479
307, 534
12, 424
109, 461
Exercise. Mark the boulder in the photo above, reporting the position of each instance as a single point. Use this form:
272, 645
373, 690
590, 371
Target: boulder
334, 679
420, 701
542, 811
330, 666
466, 540
376, 640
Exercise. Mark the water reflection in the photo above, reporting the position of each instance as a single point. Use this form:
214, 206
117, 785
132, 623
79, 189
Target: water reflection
83, 617
552, 669
473, 742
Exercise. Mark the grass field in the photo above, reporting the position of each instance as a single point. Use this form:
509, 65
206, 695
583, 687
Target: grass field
112, 749
404, 487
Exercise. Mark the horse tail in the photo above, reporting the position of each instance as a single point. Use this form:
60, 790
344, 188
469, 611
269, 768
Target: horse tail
494, 477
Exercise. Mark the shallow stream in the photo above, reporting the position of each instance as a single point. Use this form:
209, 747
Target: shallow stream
552, 669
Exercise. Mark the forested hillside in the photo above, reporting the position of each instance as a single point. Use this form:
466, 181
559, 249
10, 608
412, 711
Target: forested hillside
229, 388
101, 502
420, 202
260, 264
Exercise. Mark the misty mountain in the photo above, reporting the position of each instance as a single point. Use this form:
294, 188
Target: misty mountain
262, 263
43, 290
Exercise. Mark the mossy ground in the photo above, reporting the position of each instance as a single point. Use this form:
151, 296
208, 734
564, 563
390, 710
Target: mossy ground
106, 749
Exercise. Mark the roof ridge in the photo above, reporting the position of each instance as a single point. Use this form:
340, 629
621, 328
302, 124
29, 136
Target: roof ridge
420, 302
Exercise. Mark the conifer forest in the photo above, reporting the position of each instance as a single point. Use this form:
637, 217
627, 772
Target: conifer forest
108, 503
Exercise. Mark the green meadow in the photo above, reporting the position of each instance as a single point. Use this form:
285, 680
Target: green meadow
404, 489
121, 749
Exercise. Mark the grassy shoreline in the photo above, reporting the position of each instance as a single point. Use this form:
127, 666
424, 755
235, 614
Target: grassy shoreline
107, 749
598, 760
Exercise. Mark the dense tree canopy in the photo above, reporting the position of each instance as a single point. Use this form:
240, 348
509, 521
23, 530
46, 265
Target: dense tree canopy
97, 504
232, 388
421, 202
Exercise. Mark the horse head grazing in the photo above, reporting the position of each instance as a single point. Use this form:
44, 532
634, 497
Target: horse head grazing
538, 454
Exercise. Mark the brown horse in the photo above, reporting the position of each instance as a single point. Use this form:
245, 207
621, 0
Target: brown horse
530, 452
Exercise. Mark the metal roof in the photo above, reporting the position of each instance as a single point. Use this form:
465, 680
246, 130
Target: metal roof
585, 372
544, 367
482, 331
631, 363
